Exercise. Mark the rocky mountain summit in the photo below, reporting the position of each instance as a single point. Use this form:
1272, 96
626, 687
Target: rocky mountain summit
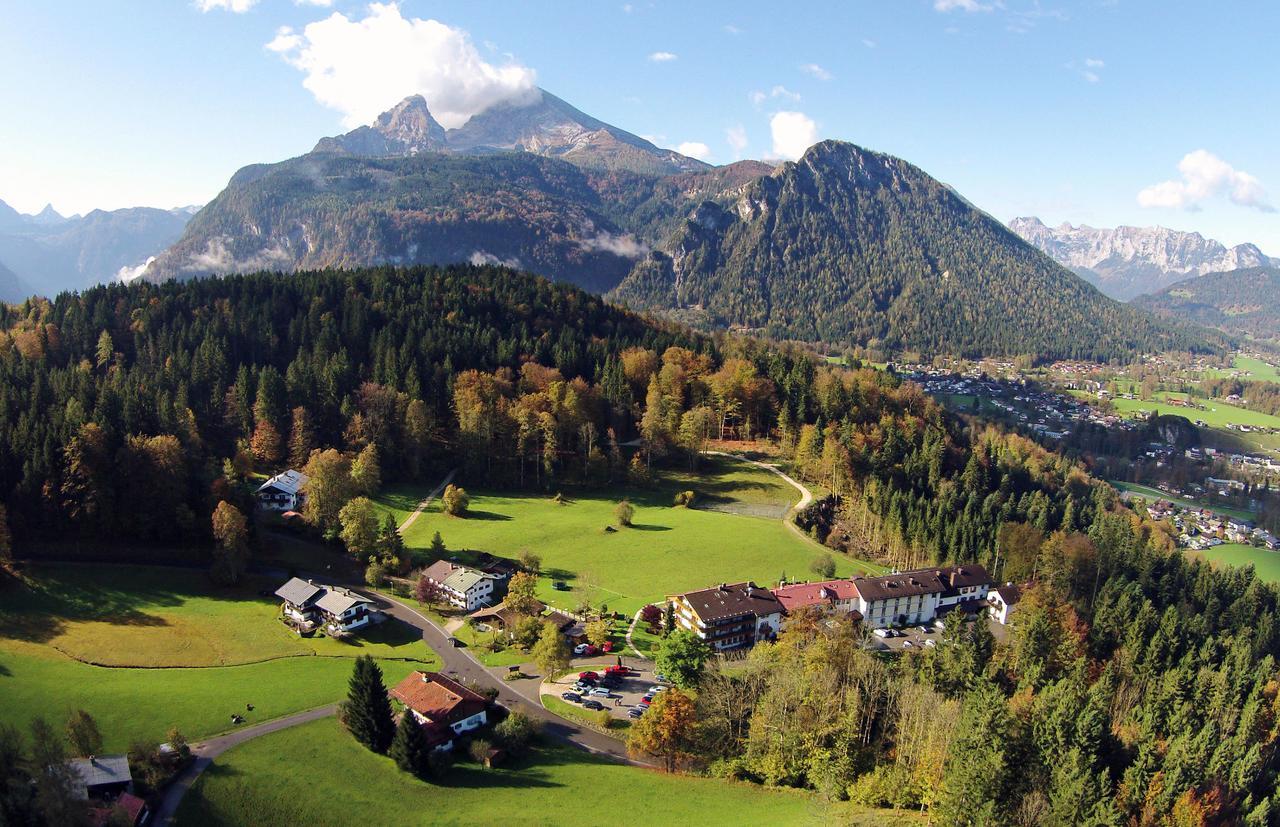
1125, 262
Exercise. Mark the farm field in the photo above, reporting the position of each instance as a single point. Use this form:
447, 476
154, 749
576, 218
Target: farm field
1258, 370
251, 785
1266, 563
145, 648
667, 549
1215, 414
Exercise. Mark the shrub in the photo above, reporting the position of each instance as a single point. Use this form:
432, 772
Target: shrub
685, 498
624, 511
479, 749
824, 565
455, 500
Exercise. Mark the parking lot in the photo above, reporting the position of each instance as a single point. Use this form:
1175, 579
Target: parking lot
619, 700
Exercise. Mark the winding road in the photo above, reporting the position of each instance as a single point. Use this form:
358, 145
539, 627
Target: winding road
457, 663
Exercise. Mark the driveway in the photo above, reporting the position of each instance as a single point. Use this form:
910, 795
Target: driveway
620, 701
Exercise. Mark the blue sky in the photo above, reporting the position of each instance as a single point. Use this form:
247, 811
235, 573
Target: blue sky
1098, 112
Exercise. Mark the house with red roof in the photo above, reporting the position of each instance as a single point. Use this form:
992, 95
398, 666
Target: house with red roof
832, 598
444, 707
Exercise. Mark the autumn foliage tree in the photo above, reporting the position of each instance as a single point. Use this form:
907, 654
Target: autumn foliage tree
667, 730
231, 531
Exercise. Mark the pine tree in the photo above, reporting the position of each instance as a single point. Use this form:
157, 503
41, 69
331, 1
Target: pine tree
409, 747
367, 710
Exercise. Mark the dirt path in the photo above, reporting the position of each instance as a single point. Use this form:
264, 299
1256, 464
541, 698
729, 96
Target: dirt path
806, 496
422, 506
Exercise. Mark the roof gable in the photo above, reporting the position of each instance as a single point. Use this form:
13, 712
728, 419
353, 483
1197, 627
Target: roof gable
438, 698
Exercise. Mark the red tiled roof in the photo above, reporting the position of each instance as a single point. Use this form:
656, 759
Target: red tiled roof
798, 595
439, 699
130, 803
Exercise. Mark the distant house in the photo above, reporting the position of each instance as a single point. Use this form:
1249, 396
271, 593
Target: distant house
1003, 599
730, 616
467, 588
307, 604
444, 707
833, 598
283, 492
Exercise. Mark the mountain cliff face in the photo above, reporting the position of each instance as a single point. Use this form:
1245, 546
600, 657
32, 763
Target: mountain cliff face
1245, 301
48, 253
406, 129
1128, 261
847, 245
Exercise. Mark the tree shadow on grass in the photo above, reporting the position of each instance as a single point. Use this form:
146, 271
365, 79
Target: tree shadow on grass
640, 527
487, 515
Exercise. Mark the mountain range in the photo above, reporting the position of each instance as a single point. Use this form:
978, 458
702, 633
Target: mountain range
1245, 301
846, 245
48, 253
1125, 262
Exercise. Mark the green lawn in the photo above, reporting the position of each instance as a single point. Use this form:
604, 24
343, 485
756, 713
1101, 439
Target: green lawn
1266, 563
574, 712
1215, 413
1259, 370
145, 648
667, 550
293, 776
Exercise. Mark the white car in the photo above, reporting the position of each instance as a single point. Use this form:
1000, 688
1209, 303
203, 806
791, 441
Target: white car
882, 633
931, 643
906, 644
580, 649
653, 690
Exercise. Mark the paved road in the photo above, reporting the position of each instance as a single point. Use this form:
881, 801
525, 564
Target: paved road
520, 695
206, 751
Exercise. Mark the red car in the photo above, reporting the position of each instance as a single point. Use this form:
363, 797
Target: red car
645, 701
620, 671
585, 676
608, 646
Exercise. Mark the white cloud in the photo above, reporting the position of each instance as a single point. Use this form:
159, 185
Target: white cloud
695, 149
816, 70
868, 42
627, 8
758, 97
1090, 68
324, 4
793, 133
962, 5
128, 274
737, 138
364, 67
235, 6
624, 245
480, 258
663, 57
1204, 176
219, 259
732, 29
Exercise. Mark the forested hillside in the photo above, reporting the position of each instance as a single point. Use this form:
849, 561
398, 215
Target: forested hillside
852, 246
1137, 687
1239, 301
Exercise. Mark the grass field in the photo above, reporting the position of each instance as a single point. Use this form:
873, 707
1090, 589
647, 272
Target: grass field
251, 785
145, 648
1215, 414
1258, 370
667, 550
1266, 563
1153, 494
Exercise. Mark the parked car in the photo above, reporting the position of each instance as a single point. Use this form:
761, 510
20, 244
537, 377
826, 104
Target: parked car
906, 644
660, 678
599, 692
590, 649
610, 682
882, 633
592, 705
588, 676
924, 630
654, 690
931, 643
645, 701
455, 643
620, 671
608, 646
581, 687
635, 712
581, 648
571, 697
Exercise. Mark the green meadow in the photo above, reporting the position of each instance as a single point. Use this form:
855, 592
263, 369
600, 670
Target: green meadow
666, 549
145, 648
315, 774
1265, 563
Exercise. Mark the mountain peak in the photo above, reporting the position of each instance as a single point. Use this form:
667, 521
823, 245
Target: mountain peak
407, 128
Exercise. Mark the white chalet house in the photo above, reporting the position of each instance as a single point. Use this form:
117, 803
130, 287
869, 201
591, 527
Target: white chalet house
1003, 599
729, 616
464, 587
308, 604
911, 597
283, 492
